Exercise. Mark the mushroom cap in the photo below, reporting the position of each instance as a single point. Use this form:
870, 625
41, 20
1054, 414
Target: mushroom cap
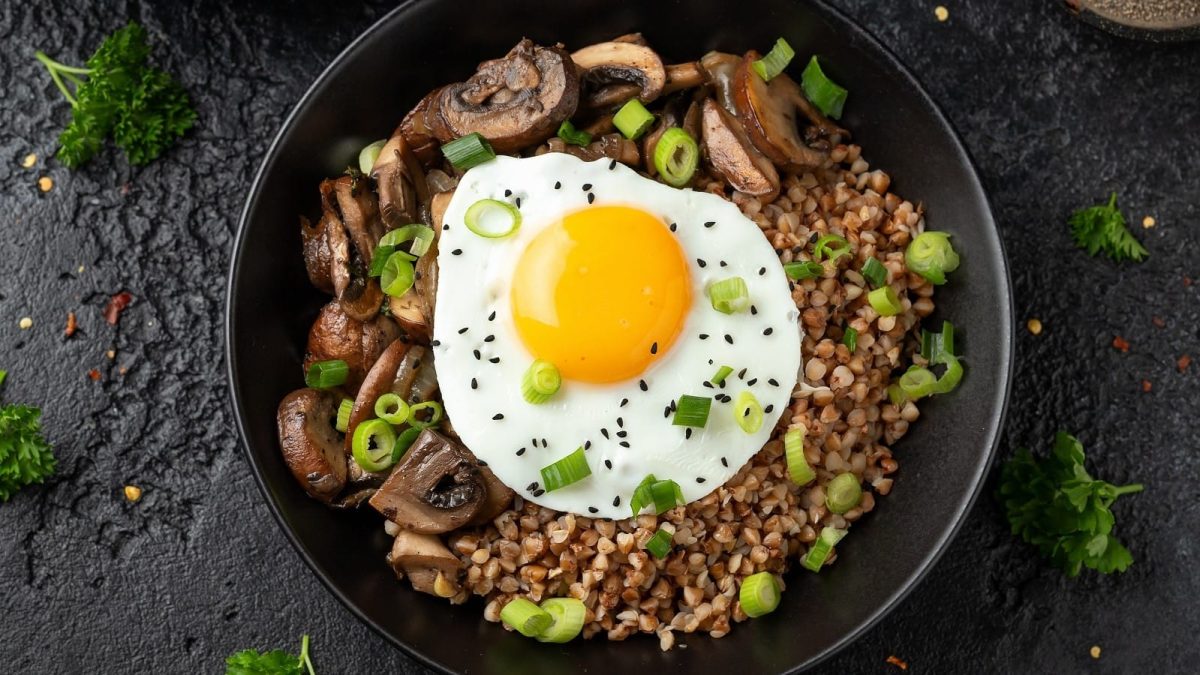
606, 65
418, 131
514, 102
336, 335
732, 155
421, 557
400, 183
499, 498
311, 446
436, 487
767, 111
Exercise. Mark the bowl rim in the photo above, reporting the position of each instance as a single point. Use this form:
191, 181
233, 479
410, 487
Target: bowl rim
992, 432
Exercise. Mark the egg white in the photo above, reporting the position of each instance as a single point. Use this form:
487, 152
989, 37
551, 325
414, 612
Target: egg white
627, 434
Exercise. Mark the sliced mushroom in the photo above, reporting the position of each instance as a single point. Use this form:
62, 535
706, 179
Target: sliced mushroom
336, 335
400, 182
378, 381
682, 76
418, 131
733, 156
513, 102
611, 146
767, 111
440, 181
409, 311
349, 217
499, 497
422, 557
608, 64
667, 118
720, 69
311, 446
634, 38
326, 253
436, 487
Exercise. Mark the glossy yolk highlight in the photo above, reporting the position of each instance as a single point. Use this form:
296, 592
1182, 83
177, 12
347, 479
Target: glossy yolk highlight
601, 293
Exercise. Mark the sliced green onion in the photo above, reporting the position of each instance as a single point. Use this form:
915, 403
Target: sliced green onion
798, 467
775, 61
525, 617
896, 395
931, 256
391, 409
421, 236
729, 295
541, 381
641, 494
885, 301
850, 338
573, 136
949, 379
663, 495
379, 260
759, 594
570, 469
803, 269
821, 548
831, 246
747, 412
403, 442
368, 155
327, 374
917, 382
567, 615
633, 119
660, 544
372, 445
435, 414
343, 417
468, 151
874, 272
843, 493
947, 338
722, 373
822, 91
676, 157
502, 218
692, 411
934, 345
398, 274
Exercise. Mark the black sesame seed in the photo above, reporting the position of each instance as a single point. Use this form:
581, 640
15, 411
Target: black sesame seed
457, 251
768, 330
724, 264
687, 433
477, 354
474, 383
672, 405
518, 202
520, 452
587, 186
642, 384
608, 463
667, 411
494, 359
587, 445
762, 271
436, 343
708, 384
622, 433
539, 492
701, 263
752, 382
729, 338
592, 509
532, 486
724, 462
612, 165
604, 432
753, 310
481, 462
492, 316
654, 348
673, 226
722, 384
620, 422
463, 330
742, 374
591, 198
769, 408
703, 336
445, 226
489, 338
699, 480
617, 500
773, 382
709, 224
624, 444
812, 238
508, 193
624, 401
557, 185
545, 443
498, 416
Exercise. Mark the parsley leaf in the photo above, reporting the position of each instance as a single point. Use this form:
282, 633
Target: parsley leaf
275, 662
144, 109
1054, 504
1101, 229
25, 457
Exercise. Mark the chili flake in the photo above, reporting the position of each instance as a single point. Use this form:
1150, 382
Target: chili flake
1146, 386
70, 329
116, 305
1121, 344
898, 662
94, 375
1183, 363
1158, 322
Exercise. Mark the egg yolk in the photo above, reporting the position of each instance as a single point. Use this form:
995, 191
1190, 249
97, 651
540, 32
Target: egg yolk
601, 293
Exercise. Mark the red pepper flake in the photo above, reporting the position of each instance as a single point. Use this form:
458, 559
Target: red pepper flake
1183, 362
94, 374
1146, 386
116, 305
1158, 322
1121, 344
70, 329
1187, 281
898, 662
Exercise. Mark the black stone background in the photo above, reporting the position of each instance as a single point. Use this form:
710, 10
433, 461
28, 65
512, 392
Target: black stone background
1055, 113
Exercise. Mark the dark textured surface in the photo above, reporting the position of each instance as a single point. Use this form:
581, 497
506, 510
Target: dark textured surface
1055, 113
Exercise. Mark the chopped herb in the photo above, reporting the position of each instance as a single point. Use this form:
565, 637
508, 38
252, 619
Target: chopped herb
275, 662
1101, 229
25, 456
1054, 504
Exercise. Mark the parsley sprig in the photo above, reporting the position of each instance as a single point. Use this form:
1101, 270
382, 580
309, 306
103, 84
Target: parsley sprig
25, 457
1101, 229
119, 94
274, 662
1054, 504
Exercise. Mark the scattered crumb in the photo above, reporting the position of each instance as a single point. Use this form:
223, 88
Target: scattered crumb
1158, 322
1095, 651
70, 329
1034, 326
133, 493
45, 183
25, 323
29, 161
1121, 344
94, 375
116, 305
1146, 386
111, 354
1183, 362
898, 662
1148, 222
81, 269
941, 13
122, 370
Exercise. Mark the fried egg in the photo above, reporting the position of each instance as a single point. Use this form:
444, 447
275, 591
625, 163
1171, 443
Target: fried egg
606, 277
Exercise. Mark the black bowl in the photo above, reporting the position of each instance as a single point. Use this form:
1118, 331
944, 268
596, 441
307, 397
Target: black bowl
361, 97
